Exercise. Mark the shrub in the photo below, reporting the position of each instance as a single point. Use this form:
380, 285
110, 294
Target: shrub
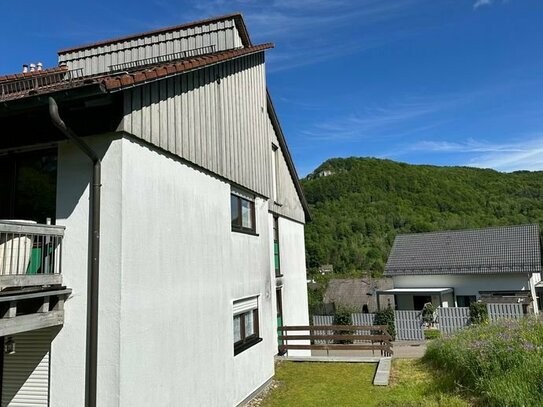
428, 313
478, 313
430, 334
502, 363
343, 317
386, 317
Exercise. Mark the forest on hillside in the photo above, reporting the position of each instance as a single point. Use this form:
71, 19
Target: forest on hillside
359, 205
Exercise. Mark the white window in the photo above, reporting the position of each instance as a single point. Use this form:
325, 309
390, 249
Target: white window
246, 328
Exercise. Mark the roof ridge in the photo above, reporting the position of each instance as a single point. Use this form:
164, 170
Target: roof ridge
524, 225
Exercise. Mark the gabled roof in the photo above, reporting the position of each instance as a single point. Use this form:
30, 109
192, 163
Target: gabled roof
114, 81
27, 75
288, 158
155, 72
507, 249
237, 17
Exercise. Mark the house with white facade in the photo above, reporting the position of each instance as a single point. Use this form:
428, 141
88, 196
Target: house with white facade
152, 232
456, 268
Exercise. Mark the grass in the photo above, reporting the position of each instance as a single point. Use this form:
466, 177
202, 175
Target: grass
313, 384
500, 363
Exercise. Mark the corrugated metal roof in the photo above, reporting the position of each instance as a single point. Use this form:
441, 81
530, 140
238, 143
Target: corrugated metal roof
507, 249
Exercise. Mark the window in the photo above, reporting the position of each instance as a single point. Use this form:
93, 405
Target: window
276, 256
242, 213
465, 300
275, 172
246, 328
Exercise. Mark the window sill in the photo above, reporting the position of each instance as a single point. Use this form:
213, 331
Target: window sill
246, 345
278, 275
245, 231
277, 203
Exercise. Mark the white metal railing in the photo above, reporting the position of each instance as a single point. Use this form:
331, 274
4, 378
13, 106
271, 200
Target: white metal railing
29, 248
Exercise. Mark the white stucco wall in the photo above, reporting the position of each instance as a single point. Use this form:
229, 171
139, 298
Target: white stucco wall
67, 384
182, 269
462, 284
170, 270
293, 282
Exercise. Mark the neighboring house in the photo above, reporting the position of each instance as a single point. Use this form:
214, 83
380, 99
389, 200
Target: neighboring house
201, 216
358, 293
456, 268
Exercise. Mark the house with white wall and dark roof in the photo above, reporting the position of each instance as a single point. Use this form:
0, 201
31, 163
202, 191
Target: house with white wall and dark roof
455, 268
153, 232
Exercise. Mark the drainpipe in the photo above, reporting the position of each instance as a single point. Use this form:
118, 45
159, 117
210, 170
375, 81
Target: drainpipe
94, 254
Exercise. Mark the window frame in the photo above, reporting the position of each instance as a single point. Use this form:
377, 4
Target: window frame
247, 341
276, 265
238, 227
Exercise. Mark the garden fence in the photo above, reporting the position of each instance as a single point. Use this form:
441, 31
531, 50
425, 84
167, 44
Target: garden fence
323, 320
504, 311
409, 325
452, 319
363, 319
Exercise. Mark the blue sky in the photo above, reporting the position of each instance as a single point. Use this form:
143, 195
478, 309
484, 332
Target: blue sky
448, 82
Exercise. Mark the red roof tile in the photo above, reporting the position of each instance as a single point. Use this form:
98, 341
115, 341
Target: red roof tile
17, 76
113, 83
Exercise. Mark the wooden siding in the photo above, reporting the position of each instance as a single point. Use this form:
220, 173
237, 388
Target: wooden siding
223, 34
288, 202
222, 127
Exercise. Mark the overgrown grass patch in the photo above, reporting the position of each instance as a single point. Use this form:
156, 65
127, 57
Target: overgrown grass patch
501, 363
350, 384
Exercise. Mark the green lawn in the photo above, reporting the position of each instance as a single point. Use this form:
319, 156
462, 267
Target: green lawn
313, 384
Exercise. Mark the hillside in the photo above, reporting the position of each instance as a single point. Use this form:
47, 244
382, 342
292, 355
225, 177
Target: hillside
360, 204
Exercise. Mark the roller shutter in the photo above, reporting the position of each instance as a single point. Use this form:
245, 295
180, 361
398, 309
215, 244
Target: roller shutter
26, 372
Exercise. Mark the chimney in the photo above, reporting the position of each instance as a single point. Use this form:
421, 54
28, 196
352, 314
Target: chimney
40, 66
25, 68
32, 67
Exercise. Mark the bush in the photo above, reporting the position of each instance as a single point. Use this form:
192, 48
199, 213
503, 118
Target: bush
430, 334
428, 313
386, 317
343, 317
501, 363
478, 313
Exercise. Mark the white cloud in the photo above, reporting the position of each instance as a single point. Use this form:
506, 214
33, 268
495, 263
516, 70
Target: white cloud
524, 154
481, 3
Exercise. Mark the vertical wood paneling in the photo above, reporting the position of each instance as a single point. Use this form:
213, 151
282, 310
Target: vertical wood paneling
222, 127
223, 35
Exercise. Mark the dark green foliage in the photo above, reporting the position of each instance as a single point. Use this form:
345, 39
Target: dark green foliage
386, 317
428, 313
478, 313
366, 202
343, 317
430, 334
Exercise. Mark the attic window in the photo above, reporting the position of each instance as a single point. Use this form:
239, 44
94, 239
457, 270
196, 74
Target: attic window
242, 210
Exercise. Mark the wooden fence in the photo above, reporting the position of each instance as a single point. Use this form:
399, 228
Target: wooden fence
409, 324
343, 337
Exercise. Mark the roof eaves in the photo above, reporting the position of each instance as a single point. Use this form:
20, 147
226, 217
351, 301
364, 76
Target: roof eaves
162, 71
288, 158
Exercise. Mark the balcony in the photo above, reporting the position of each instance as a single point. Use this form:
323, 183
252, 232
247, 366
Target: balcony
30, 254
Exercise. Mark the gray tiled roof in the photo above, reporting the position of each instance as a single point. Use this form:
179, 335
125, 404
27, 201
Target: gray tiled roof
508, 249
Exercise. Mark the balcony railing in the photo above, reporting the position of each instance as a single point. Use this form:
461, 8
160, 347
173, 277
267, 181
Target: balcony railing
30, 254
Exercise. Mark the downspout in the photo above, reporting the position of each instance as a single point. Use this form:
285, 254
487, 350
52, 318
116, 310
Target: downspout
94, 254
